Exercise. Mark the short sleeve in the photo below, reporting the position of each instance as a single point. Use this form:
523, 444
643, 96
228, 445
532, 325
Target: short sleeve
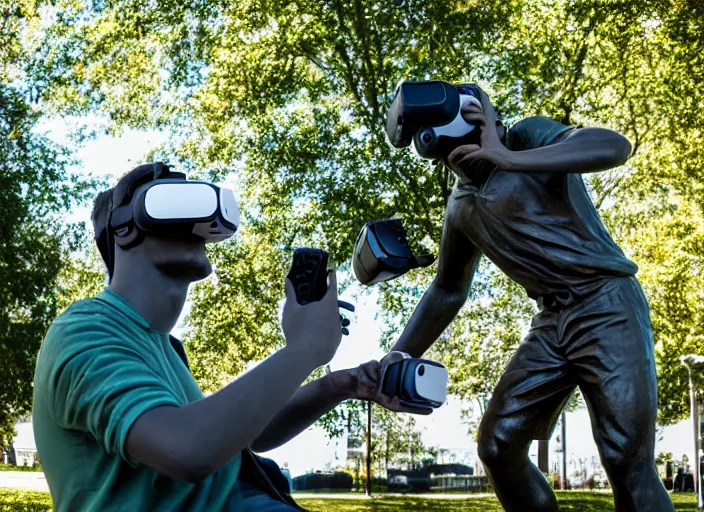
536, 132
98, 382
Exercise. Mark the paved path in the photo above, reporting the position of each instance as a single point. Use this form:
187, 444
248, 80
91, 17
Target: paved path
28, 480
35, 481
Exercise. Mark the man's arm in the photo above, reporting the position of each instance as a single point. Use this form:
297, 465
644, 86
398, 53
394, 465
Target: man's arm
304, 408
191, 442
579, 151
448, 291
316, 398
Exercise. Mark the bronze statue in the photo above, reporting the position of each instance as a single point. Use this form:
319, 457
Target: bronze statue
521, 202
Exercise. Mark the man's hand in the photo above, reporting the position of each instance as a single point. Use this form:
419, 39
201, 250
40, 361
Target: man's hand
366, 380
315, 327
490, 147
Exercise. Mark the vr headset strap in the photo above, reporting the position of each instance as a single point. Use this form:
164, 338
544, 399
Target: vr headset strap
109, 243
424, 260
121, 216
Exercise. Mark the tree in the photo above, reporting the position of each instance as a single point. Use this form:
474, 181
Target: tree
234, 314
396, 440
288, 98
83, 273
36, 190
667, 234
662, 458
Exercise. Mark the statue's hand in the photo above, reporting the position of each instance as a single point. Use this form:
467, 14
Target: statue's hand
367, 381
490, 147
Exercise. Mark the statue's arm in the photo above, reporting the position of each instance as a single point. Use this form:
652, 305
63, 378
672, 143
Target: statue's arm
447, 293
582, 151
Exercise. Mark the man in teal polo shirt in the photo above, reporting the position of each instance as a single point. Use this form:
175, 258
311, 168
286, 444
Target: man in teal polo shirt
119, 422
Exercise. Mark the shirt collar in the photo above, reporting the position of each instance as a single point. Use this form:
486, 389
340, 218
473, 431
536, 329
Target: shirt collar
123, 306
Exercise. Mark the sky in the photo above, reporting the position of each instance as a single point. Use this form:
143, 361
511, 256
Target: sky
110, 156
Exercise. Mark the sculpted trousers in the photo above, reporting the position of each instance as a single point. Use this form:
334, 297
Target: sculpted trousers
602, 343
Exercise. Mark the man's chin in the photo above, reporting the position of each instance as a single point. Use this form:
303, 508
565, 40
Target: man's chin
190, 271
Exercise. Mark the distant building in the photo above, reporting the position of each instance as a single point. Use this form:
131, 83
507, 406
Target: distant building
438, 477
449, 469
323, 481
25, 447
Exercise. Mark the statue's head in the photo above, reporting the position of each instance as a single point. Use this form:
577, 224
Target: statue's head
428, 116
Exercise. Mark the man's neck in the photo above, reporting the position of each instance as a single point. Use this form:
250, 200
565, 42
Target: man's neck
158, 298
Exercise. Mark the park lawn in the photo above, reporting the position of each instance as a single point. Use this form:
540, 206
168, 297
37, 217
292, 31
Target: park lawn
13, 500
569, 501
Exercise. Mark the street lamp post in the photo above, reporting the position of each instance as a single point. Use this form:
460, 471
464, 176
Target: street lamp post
688, 361
564, 450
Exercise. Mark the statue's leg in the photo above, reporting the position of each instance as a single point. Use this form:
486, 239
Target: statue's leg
523, 407
611, 348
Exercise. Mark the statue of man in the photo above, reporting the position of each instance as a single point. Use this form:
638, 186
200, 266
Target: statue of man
521, 202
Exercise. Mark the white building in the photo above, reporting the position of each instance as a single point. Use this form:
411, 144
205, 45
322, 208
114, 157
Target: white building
25, 448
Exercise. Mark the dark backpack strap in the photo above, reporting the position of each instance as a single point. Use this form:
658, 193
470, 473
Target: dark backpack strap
178, 347
265, 474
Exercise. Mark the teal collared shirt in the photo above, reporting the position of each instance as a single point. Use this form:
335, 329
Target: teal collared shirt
100, 367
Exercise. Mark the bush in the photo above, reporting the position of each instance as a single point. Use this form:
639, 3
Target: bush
11, 467
12, 500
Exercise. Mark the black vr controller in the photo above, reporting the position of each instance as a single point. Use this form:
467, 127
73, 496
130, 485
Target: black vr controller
428, 115
419, 383
309, 275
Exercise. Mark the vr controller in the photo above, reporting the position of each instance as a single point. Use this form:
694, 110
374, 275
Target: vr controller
419, 383
428, 115
309, 275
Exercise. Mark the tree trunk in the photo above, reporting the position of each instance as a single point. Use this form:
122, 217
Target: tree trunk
11, 455
544, 456
564, 450
368, 487
386, 455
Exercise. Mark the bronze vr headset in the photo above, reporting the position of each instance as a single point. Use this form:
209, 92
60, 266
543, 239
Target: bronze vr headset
428, 115
381, 252
166, 203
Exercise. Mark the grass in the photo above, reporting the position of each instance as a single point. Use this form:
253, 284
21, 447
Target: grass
569, 501
12, 500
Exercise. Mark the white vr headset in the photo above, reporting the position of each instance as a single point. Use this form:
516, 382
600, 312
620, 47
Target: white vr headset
175, 206
166, 203
419, 383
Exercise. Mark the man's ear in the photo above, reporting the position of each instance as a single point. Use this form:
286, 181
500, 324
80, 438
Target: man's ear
126, 237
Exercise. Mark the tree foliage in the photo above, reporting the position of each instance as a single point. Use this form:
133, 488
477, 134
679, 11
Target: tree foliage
33, 190
396, 441
287, 98
36, 190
